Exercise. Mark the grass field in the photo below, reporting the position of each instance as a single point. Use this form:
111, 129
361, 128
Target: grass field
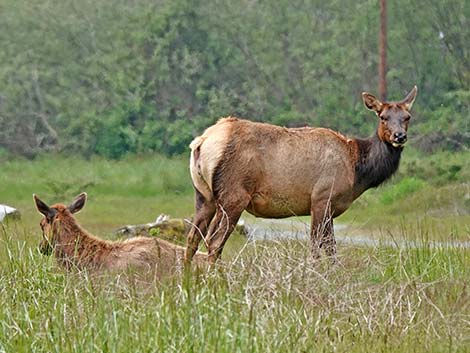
265, 296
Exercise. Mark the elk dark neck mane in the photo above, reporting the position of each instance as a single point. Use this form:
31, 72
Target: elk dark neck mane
376, 163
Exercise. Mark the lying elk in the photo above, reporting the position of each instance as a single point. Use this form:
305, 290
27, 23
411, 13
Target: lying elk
74, 247
277, 172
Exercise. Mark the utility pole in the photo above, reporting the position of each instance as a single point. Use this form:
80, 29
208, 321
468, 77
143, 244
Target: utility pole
383, 50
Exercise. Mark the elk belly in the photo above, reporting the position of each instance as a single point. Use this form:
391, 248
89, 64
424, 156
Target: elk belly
269, 206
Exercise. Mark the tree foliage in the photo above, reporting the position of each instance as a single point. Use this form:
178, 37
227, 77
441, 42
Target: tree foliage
111, 77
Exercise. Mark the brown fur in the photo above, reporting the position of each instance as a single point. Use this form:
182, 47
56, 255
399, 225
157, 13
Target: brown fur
275, 172
74, 247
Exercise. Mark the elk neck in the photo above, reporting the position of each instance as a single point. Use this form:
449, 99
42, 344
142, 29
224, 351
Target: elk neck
75, 246
377, 161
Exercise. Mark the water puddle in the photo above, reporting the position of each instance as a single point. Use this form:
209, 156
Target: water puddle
275, 229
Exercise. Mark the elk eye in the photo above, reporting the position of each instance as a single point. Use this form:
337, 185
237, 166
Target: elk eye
407, 118
383, 118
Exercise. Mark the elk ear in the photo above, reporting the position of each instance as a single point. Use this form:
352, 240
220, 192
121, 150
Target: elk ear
78, 203
371, 102
43, 208
410, 98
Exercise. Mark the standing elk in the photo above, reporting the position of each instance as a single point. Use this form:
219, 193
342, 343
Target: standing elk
74, 247
278, 172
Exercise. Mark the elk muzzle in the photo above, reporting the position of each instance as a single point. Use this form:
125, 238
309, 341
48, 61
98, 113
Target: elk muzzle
45, 247
399, 139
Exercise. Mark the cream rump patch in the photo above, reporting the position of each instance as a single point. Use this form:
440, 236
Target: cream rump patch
206, 152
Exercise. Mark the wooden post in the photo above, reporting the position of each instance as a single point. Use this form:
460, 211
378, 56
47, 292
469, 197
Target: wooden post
383, 51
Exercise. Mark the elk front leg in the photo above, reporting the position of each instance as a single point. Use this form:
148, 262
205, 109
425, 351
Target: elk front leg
205, 210
328, 242
321, 232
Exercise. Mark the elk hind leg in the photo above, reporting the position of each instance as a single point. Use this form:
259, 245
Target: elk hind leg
225, 220
205, 210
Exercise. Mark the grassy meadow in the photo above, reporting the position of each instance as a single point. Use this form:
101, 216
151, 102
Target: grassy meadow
265, 296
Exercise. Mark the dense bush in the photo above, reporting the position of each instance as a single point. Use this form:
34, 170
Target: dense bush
112, 77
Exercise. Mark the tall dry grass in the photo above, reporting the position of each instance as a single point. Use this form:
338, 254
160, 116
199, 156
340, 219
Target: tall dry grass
268, 297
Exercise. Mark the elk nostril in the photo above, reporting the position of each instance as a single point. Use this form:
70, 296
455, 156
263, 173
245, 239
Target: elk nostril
399, 135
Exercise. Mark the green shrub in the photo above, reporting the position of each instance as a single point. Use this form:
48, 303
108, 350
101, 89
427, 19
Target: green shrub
405, 187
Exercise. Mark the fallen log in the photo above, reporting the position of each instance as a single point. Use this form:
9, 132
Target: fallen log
165, 227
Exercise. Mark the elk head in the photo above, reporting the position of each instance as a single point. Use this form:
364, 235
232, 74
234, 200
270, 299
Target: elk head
394, 117
49, 223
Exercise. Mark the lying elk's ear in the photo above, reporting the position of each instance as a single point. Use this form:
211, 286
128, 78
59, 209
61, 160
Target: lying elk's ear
371, 102
43, 208
78, 203
410, 98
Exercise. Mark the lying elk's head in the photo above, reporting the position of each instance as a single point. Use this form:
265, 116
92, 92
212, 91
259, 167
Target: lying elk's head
394, 117
52, 215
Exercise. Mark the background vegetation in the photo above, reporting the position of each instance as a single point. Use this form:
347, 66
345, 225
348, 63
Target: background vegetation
112, 77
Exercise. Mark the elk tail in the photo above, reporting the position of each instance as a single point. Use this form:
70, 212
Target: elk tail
196, 168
